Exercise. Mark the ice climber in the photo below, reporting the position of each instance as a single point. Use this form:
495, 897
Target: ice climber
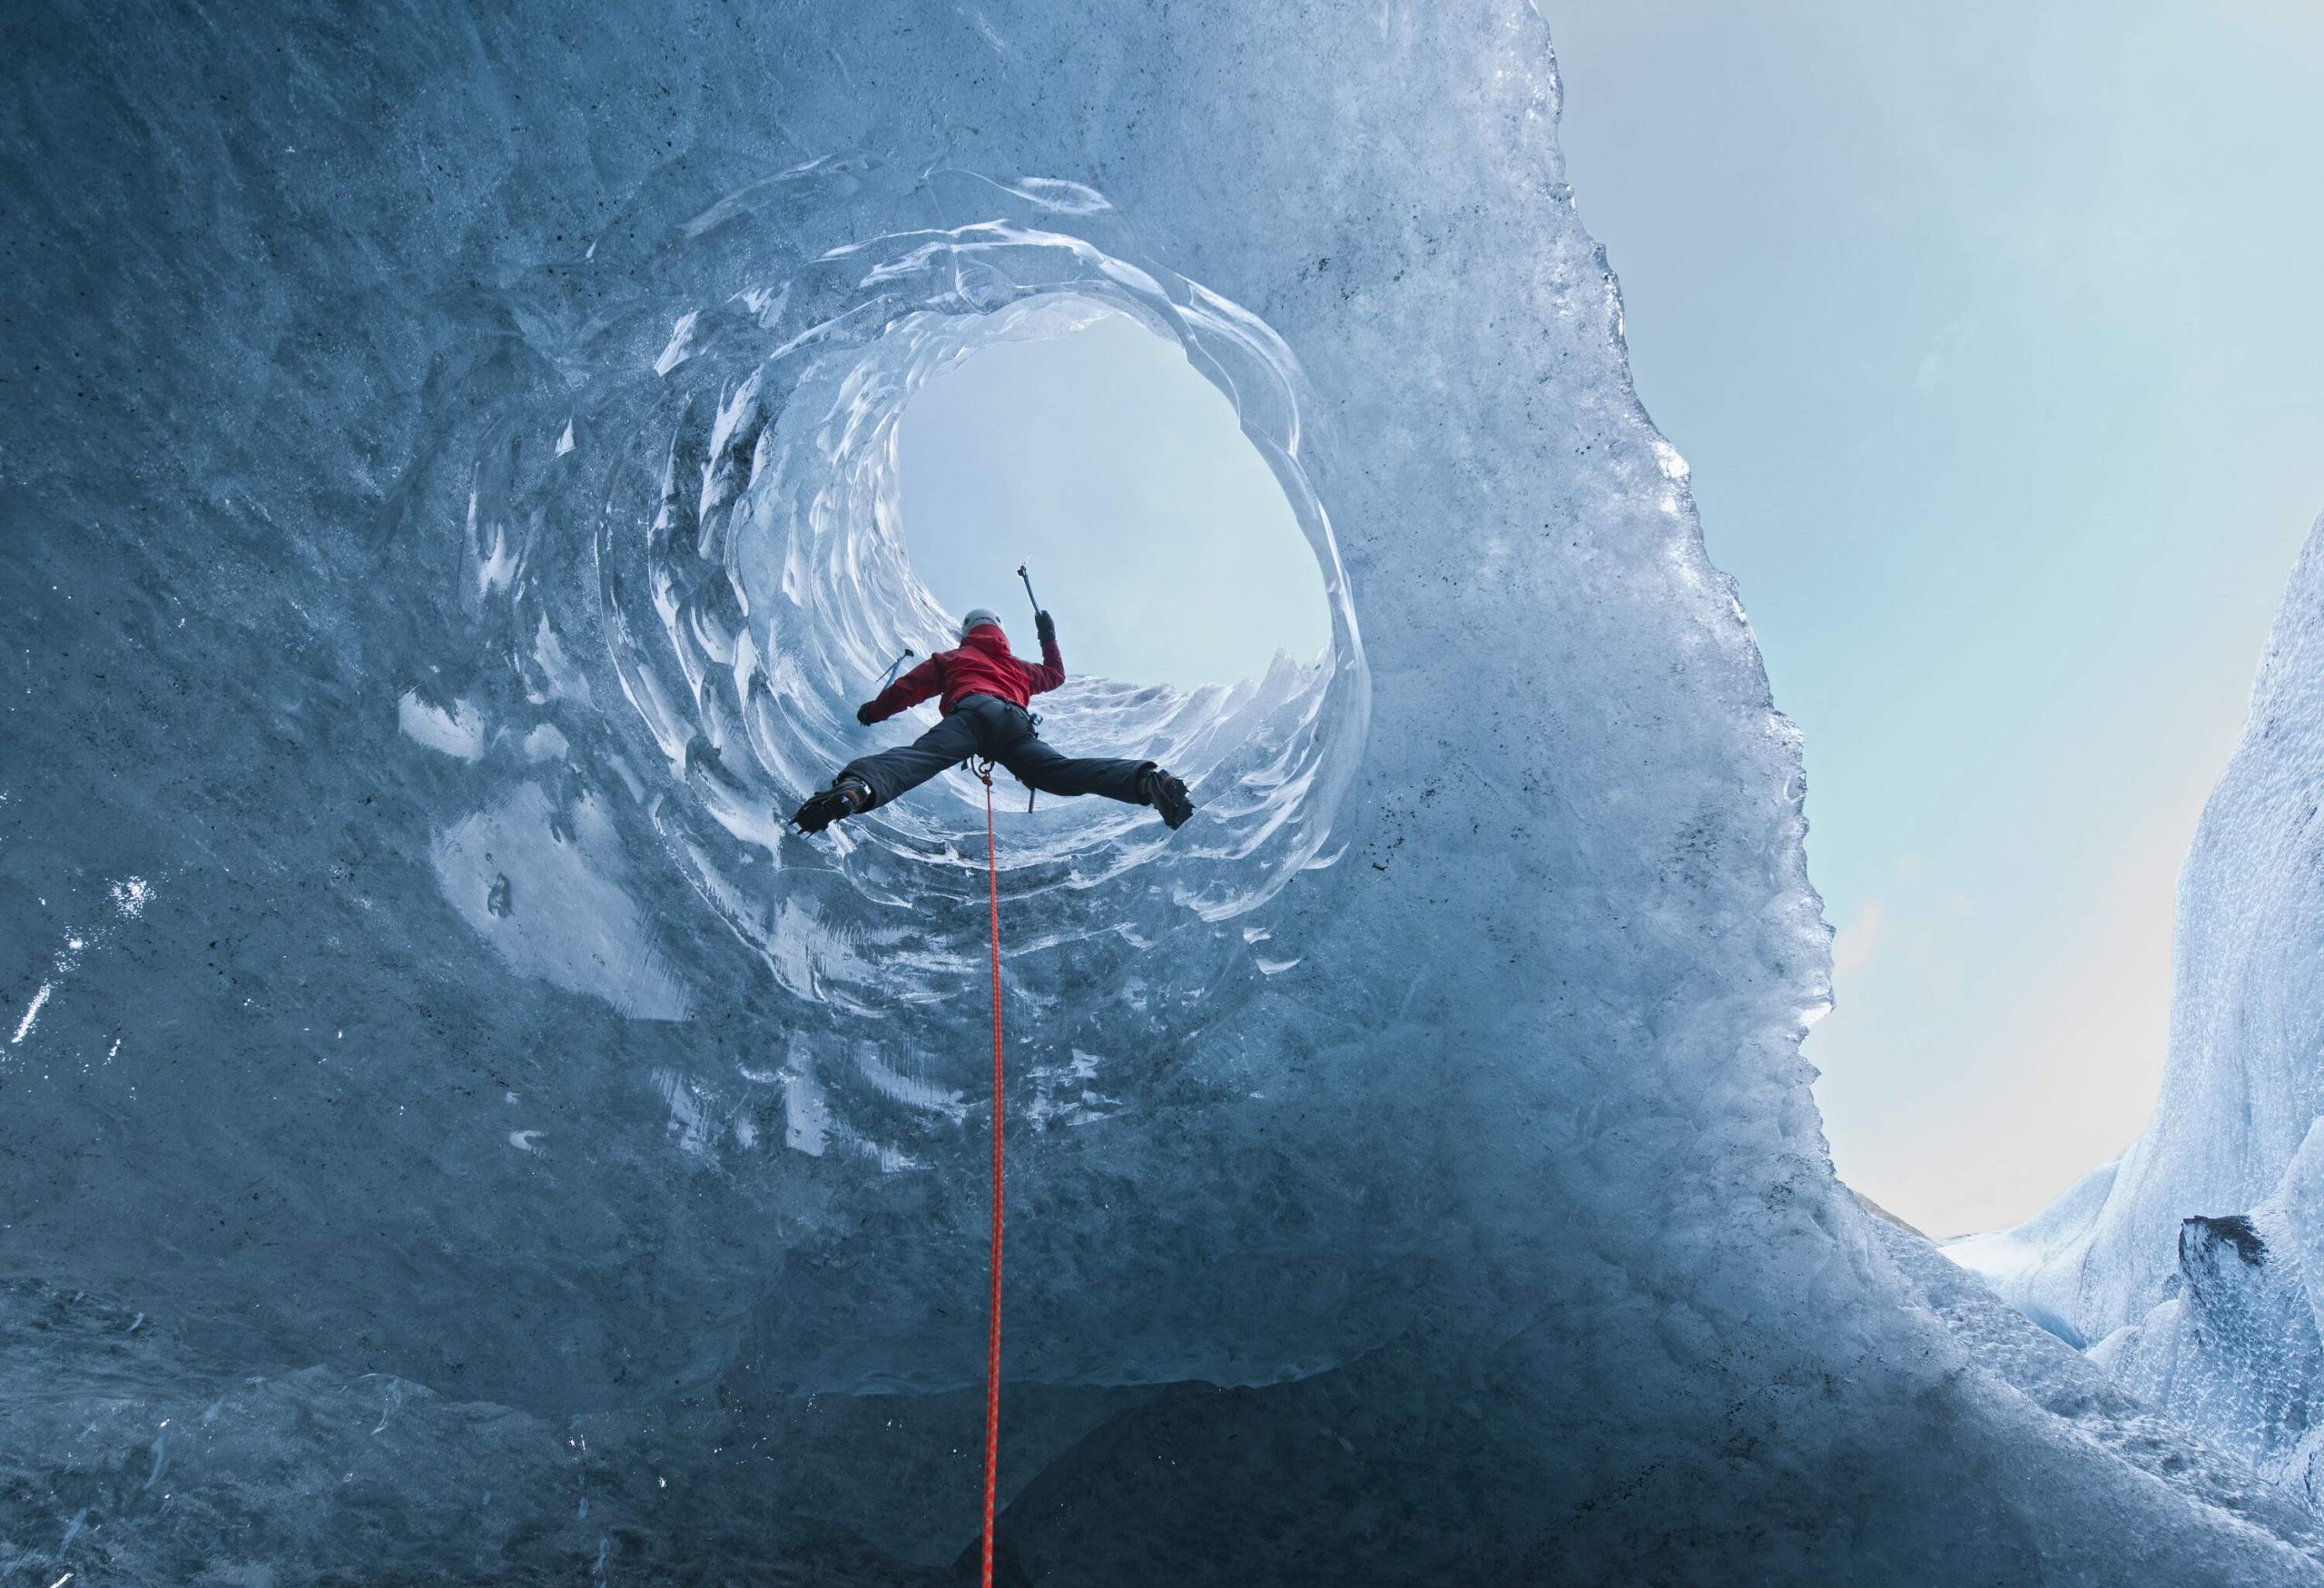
984, 692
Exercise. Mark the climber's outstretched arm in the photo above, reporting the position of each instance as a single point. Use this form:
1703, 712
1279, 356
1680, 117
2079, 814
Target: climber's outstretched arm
923, 683
1051, 672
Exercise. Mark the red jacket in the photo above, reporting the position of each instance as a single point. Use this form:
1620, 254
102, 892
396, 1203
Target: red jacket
982, 666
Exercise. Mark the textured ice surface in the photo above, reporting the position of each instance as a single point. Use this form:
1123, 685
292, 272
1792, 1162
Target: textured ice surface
2066, 1383
447, 462
2193, 1263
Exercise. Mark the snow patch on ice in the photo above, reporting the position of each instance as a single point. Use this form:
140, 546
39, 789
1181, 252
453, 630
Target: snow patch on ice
456, 730
543, 885
32, 1012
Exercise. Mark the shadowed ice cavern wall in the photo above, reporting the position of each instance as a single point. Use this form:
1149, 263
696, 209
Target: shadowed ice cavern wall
453, 1132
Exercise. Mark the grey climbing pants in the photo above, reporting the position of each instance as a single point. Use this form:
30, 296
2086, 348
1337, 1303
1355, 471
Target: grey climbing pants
987, 725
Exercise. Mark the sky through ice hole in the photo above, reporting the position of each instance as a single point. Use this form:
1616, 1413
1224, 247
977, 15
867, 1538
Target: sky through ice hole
1105, 461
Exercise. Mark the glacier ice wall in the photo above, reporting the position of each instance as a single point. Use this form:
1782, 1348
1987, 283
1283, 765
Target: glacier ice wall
2192, 1264
447, 467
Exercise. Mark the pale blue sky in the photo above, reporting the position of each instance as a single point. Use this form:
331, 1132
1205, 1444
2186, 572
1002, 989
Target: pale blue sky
1154, 531
1991, 333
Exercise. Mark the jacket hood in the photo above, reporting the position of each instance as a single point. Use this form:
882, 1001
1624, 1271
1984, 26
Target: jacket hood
988, 638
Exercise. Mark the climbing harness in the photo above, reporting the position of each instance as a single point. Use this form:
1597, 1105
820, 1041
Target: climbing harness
983, 770
983, 767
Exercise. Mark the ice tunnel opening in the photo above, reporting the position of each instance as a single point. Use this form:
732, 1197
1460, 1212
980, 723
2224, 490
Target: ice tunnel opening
734, 440
836, 595
1098, 455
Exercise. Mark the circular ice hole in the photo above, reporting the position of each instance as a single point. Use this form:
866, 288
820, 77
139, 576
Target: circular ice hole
1100, 456
806, 449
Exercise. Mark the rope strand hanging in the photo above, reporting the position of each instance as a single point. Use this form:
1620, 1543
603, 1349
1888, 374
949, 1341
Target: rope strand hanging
993, 1333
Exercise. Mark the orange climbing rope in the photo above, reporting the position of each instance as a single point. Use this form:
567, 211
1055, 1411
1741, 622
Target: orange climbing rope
992, 1331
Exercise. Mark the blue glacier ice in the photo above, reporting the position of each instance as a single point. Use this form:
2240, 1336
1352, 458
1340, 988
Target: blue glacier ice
452, 1133
2194, 1264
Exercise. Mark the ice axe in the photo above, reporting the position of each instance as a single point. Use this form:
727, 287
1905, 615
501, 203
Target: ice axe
1036, 600
908, 654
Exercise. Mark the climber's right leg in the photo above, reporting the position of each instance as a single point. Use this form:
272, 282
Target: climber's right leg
874, 780
892, 774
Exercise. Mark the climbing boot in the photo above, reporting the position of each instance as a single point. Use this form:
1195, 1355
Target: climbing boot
1168, 795
847, 795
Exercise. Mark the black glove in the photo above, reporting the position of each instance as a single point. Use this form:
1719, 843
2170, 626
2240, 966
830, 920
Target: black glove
1046, 626
864, 715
